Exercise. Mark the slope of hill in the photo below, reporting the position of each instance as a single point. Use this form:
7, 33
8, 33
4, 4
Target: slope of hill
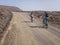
11, 8
5, 18
54, 16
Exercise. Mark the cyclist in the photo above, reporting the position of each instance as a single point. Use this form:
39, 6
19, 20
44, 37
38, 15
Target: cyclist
45, 20
31, 15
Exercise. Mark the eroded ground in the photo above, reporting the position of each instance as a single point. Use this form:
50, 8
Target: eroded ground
23, 32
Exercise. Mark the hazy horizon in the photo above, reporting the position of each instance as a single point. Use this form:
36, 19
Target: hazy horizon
29, 5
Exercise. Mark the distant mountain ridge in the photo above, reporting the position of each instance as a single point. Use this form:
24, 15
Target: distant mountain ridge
10, 8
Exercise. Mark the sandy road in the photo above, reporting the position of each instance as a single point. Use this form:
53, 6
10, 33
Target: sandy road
24, 32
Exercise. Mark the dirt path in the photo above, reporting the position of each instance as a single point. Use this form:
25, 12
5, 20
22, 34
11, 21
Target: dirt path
23, 32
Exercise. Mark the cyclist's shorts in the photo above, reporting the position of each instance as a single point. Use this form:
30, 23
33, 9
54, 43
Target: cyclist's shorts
46, 19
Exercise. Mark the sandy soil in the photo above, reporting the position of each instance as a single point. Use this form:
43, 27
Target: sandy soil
23, 32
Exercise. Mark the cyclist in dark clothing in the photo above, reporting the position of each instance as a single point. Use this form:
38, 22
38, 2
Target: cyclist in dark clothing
45, 20
31, 15
46, 15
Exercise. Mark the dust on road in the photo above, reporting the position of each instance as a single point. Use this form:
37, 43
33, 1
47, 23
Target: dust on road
23, 32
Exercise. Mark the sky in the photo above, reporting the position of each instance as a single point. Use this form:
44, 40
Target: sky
48, 5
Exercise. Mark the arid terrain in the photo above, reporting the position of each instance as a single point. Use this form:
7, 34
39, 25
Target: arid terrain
5, 18
16, 28
23, 32
54, 16
10, 8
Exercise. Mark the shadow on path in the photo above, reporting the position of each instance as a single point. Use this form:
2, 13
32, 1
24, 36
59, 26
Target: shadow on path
26, 21
35, 27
